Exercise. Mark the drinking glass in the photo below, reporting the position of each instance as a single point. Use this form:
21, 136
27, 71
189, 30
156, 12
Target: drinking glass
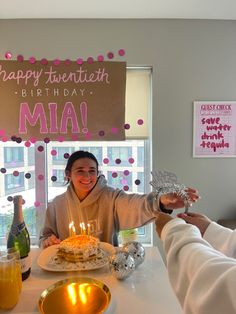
10, 279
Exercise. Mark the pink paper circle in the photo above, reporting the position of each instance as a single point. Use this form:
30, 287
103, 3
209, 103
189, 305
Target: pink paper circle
44, 61
33, 140
126, 188
4, 139
140, 121
8, 55
124, 182
79, 61
100, 58
16, 173
40, 148
53, 152
40, 177
114, 175
127, 126
121, 52
90, 60
20, 58
36, 203
32, 60
126, 172
67, 62
110, 55
27, 144
131, 160
105, 160
56, 62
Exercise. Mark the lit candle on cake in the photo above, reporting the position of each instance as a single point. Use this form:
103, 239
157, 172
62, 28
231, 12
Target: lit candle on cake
71, 229
82, 228
88, 225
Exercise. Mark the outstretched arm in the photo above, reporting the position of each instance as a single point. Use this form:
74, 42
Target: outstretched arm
200, 276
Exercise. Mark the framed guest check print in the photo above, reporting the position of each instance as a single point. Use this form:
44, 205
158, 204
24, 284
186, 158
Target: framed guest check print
214, 129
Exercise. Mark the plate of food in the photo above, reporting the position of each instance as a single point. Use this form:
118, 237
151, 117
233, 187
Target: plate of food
75, 295
76, 253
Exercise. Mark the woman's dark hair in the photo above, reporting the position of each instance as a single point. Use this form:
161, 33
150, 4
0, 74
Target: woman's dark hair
79, 154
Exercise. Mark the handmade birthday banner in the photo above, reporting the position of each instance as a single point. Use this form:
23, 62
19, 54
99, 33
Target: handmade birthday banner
62, 102
214, 133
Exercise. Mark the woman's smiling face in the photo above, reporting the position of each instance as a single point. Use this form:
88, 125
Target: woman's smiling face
83, 175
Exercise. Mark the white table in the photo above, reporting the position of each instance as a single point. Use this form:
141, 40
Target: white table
146, 291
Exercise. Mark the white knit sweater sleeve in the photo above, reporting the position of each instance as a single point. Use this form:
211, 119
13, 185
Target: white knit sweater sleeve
202, 278
221, 238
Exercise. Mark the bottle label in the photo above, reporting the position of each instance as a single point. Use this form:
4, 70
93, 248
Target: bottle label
25, 263
16, 229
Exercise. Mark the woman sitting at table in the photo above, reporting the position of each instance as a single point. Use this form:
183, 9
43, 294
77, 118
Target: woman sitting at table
101, 209
202, 276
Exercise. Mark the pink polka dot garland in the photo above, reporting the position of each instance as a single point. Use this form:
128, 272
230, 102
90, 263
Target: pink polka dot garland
56, 62
114, 175
16, 173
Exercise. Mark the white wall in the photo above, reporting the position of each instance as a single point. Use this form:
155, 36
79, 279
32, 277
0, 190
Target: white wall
191, 59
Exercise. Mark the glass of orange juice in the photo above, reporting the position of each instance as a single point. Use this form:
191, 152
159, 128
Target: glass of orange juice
10, 285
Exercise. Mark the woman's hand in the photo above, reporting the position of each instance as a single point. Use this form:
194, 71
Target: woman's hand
175, 201
198, 220
161, 221
51, 241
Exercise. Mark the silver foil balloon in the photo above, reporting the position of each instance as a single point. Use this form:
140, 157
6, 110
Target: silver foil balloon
121, 265
136, 250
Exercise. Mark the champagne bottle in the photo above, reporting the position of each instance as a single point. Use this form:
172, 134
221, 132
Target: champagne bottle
19, 237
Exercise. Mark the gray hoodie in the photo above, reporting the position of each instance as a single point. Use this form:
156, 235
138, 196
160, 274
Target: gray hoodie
106, 209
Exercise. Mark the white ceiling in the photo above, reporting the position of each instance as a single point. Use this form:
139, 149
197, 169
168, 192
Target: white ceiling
180, 9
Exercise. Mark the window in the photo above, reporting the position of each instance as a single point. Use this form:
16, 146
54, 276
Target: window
38, 174
13, 157
14, 183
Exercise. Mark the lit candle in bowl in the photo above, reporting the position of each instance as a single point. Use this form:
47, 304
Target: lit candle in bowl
71, 229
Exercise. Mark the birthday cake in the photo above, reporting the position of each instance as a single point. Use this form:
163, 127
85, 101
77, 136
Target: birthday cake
78, 248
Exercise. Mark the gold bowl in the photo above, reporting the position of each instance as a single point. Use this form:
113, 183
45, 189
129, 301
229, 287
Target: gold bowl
75, 295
